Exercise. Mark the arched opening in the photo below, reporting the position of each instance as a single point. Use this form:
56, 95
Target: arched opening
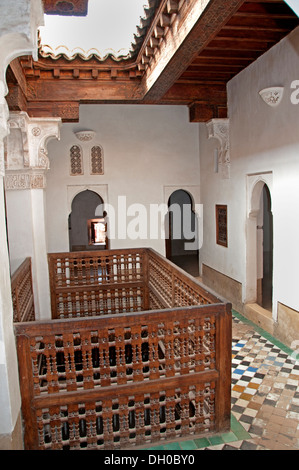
85, 206
265, 286
260, 247
182, 232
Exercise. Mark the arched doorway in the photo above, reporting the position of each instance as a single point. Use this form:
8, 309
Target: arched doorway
259, 283
182, 232
84, 207
265, 293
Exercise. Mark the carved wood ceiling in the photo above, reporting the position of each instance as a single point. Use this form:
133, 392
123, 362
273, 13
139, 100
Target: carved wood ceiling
165, 66
66, 7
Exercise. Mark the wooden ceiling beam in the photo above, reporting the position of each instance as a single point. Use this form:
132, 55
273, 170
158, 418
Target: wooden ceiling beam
204, 112
171, 61
264, 9
66, 90
220, 61
191, 92
68, 111
212, 53
250, 35
267, 21
237, 44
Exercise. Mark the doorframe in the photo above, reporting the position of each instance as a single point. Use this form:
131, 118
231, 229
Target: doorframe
194, 193
255, 184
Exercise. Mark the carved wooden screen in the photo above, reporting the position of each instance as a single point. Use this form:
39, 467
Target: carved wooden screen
22, 293
96, 160
169, 286
125, 380
76, 160
221, 225
97, 283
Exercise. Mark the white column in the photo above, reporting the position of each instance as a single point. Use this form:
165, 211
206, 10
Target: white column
25, 181
9, 385
19, 20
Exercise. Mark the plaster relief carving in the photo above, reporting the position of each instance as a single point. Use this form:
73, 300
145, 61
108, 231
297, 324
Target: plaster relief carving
96, 160
26, 148
36, 131
4, 129
28, 180
76, 160
41, 130
43, 160
85, 136
272, 96
219, 129
16, 143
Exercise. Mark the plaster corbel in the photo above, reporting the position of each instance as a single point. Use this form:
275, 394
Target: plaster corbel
219, 129
26, 150
40, 132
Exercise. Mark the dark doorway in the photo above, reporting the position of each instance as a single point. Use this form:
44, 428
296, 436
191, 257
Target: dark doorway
85, 206
181, 239
267, 282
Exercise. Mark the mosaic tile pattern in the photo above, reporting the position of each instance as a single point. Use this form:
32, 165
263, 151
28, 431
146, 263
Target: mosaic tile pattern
265, 396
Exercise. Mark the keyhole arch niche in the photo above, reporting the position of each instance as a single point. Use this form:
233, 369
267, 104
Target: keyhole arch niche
259, 241
85, 205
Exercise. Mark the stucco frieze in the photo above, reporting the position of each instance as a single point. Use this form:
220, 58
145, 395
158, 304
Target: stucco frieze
27, 180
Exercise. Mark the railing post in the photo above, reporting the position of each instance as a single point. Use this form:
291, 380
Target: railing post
223, 356
27, 390
145, 277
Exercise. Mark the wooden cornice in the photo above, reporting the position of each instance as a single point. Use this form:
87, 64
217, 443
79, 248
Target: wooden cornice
196, 31
187, 57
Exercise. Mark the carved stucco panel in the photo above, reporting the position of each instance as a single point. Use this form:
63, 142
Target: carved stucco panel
26, 150
219, 129
27, 180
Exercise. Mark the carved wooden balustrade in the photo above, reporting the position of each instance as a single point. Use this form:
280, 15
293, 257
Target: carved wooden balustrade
104, 282
22, 293
121, 380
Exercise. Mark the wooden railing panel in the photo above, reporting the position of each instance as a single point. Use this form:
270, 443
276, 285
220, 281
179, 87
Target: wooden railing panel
125, 378
161, 371
170, 286
97, 283
22, 293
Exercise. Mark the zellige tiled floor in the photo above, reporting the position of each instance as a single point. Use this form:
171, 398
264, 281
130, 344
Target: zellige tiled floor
265, 395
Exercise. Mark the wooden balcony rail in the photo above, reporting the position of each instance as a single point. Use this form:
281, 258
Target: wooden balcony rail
121, 380
119, 281
103, 282
22, 293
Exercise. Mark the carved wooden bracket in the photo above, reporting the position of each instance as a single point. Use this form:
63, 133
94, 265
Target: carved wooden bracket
219, 129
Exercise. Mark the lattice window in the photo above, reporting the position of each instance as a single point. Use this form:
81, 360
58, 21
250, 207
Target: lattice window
97, 166
76, 160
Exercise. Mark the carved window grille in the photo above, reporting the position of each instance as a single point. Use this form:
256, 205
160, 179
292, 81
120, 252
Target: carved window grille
76, 160
221, 225
97, 167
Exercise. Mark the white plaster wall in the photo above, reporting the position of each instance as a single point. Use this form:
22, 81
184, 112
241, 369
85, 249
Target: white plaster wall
146, 148
262, 139
9, 385
19, 226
